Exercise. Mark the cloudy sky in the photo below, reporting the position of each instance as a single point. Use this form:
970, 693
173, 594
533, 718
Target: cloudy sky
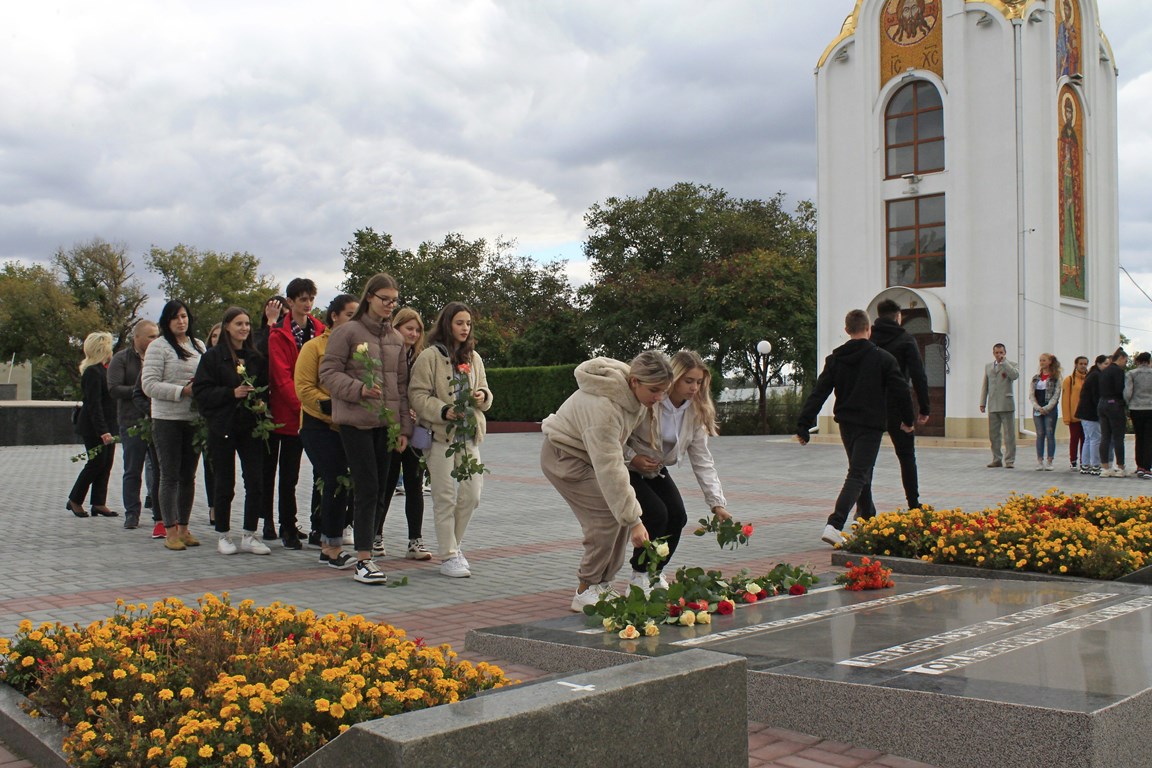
280, 127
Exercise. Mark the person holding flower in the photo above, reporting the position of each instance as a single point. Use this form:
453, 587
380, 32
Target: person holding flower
450, 393
366, 375
230, 389
679, 426
95, 425
169, 366
583, 457
321, 437
408, 323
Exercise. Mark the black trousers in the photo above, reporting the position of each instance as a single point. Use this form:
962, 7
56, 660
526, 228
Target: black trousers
368, 460
1142, 426
94, 474
662, 512
224, 449
409, 461
862, 444
325, 450
283, 453
905, 445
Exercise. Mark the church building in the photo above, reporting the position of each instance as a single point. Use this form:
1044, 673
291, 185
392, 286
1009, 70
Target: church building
967, 169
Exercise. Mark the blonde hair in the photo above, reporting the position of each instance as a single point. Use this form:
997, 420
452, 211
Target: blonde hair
651, 367
407, 315
97, 349
684, 362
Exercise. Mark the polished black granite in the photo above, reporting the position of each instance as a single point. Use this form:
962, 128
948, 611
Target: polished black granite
1081, 646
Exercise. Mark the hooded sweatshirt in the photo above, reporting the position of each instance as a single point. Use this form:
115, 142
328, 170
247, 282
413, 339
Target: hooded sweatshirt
891, 337
863, 376
594, 423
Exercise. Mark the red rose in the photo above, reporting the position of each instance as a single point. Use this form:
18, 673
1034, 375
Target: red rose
797, 589
746, 530
749, 597
725, 607
673, 610
697, 605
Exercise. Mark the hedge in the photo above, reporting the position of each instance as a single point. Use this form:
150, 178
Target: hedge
529, 394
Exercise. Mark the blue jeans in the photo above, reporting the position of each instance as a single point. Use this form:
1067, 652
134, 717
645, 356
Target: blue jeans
1090, 454
1045, 432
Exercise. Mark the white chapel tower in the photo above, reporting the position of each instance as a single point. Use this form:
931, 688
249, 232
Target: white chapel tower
967, 170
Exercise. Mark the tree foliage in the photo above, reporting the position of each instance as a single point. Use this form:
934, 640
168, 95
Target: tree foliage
210, 282
689, 266
509, 294
99, 274
41, 322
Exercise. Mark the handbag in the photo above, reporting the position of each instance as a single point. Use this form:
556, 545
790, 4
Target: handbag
421, 438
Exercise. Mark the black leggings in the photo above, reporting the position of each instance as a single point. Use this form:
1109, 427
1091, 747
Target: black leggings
1113, 425
224, 450
368, 459
409, 461
662, 512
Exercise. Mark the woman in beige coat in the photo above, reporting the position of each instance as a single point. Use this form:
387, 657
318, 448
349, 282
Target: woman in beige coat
437, 375
583, 458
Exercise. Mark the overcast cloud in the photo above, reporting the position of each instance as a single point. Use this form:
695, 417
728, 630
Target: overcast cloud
280, 128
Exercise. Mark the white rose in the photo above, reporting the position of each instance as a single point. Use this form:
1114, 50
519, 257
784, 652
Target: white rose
362, 347
754, 589
703, 617
662, 549
240, 369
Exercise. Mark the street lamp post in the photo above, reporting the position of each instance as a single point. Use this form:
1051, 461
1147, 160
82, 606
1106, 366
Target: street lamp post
763, 349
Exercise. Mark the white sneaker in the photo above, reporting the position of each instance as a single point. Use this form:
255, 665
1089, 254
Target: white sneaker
226, 546
455, 568
1040, 465
832, 536
590, 596
1048, 465
367, 572
460, 554
640, 579
249, 543
1119, 471
349, 539
378, 546
416, 551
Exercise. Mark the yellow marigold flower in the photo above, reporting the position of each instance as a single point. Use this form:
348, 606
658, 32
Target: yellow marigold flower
280, 685
337, 711
27, 661
256, 704
178, 762
154, 752
205, 751
244, 750
322, 705
157, 733
348, 700
165, 694
187, 693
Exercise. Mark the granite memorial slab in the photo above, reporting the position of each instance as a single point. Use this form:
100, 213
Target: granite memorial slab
957, 672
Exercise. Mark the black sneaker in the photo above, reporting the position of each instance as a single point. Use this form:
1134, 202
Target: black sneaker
367, 572
270, 533
314, 539
341, 562
293, 543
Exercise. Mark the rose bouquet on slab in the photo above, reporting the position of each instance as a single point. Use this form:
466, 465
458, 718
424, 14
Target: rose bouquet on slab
869, 574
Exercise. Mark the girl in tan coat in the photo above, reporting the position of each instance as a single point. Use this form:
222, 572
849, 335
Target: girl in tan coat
438, 372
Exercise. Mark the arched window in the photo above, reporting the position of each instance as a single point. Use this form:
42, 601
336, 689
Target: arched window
914, 130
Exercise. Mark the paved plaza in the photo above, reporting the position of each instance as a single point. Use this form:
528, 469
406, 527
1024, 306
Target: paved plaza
523, 545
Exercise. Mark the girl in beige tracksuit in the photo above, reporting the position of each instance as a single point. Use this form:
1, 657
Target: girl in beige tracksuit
583, 457
432, 392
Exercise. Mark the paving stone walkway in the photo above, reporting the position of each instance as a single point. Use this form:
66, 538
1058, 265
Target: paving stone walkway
523, 545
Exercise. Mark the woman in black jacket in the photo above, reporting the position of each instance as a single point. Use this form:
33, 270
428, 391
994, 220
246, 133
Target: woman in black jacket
232, 407
96, 425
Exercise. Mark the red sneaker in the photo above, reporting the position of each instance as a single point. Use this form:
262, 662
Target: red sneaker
158, 531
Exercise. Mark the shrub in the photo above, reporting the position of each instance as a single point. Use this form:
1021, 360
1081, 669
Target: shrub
218, 685
529, 394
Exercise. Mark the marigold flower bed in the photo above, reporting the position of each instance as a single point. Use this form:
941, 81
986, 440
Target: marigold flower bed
221, 685
1099, 537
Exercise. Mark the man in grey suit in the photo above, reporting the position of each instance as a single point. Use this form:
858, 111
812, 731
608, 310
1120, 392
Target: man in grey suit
997, 400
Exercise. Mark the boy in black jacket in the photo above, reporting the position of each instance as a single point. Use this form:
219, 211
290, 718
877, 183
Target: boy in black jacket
890, 336
863, 376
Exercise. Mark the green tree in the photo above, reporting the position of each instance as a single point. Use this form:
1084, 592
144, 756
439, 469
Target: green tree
210, 282
40, 322
509, 294
99, 274
691, 266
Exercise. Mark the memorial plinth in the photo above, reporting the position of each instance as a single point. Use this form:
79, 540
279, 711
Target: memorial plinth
957, 672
